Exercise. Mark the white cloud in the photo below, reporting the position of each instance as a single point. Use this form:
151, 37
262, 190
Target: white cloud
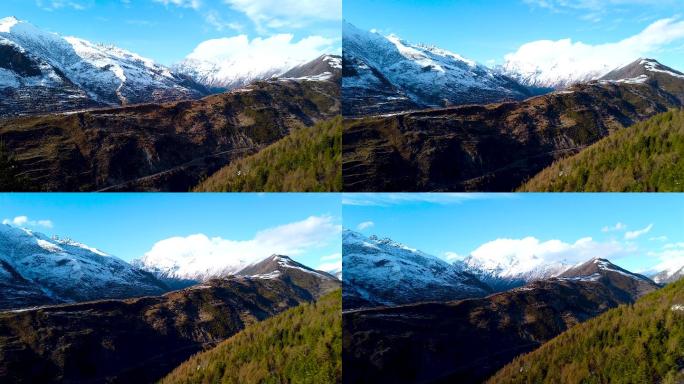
270, 14
452, 256
214, 18
200, 254
365, 225
331, 263
51, 5
670, 259
334, 256
575, 57
617, 227
238, 56
658, 238
594, 5
390, 199
194, 4
530, 252
631, 235
24, 221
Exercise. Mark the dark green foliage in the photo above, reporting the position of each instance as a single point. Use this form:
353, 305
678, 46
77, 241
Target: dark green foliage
308, 160
639, 343
301, 345
648, 156
10, 178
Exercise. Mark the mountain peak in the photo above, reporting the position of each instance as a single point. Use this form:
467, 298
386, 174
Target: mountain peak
597, 268
639, 71
7, 23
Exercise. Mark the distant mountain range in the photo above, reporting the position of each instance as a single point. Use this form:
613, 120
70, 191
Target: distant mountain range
387, 74
393, 335
382, 272
43, 72
36, 270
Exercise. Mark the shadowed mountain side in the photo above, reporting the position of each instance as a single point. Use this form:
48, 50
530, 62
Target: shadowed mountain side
495, 147
166, 147
139, 340
466, 341
640, 343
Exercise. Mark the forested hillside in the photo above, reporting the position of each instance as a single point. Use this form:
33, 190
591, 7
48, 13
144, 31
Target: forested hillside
308, 160
639, 343
301, 345
648, 156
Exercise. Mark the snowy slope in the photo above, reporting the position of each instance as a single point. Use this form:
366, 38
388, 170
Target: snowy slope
564, 72
325, 67
426, 76
67, 271
227, 73
556, 74
507, 272
671, 274
80, 72
384, 272
278, 265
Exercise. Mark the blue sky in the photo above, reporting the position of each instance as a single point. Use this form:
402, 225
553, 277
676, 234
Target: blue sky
650, 229
168, 30
129, 225
488, 30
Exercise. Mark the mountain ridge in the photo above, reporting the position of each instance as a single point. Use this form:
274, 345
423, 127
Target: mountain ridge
37, 270
468, 340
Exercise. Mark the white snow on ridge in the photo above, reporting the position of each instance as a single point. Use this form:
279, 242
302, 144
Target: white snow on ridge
68, 270
107, 74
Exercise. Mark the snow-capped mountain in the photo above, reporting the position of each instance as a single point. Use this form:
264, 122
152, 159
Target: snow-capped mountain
227, 73
552, 74
610, 275
384, 272
562, 74
36, 269
325, 67
44, 72
276, 265
191, 267
503, 273
669, 275
392, 74
203, 267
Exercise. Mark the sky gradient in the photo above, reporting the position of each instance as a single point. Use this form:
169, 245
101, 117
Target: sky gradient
487, 31
168, 30
129, 225
651, 226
